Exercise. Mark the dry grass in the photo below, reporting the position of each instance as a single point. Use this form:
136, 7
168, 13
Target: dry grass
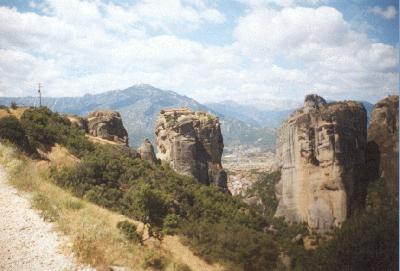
103, 141
92, 231
15, 112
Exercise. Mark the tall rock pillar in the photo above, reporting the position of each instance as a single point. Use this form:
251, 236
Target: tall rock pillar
321, 153
192, 143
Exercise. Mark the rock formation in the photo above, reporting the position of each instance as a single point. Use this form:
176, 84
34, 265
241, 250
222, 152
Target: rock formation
146, 152
321, 152
108, 125
383, 147
191, 142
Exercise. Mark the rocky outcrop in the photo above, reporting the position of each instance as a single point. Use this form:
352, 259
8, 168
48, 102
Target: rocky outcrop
146, 152
191, 142
321, 152
107, 125
383, 147
80, 122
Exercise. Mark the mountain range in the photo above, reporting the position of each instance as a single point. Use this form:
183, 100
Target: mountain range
140, 105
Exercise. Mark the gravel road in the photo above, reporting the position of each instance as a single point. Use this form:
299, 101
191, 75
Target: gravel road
27, 242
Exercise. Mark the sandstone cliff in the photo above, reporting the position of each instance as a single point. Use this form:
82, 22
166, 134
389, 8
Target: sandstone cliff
321, 152
146, 151
383, 147
107, 125
192, 143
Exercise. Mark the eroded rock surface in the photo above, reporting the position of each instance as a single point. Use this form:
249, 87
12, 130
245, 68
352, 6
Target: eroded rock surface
107, 124
383, 147
146, 151
321, 152
192, 143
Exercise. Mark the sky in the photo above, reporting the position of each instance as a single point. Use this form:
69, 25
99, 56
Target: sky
266, 53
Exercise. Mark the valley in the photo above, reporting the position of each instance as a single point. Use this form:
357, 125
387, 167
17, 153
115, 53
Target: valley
189, 192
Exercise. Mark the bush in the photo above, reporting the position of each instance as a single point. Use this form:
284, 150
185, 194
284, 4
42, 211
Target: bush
45, 128
12, 130
128, 229
73, 204
171, 223
153, 261
48, 210
146, 204
13, 105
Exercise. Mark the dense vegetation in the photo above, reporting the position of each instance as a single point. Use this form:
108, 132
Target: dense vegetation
216, 225
40, 128
44, 128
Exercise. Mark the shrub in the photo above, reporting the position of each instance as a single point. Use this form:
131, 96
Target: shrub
151, 260
171, 223
48, 210
128, 229
146, 204
13, 105
45, 128
12, 130
73, 204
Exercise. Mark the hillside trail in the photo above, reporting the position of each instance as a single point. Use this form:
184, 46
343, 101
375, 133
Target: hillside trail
27, 242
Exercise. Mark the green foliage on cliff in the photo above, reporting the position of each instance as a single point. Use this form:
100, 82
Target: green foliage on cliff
264, 190
217, 226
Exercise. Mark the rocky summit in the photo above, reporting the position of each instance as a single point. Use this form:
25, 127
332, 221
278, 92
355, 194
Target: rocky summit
107, 124
192, 143
383, 146
321, 151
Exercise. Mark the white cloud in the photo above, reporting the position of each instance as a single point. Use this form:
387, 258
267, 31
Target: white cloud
74, 47
281, 3
333, 58
389, 13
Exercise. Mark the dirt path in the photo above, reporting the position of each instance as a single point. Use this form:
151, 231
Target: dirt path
26, 241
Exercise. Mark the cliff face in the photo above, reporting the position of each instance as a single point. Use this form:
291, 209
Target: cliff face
383, 147
192, 143
108, 125
321, 151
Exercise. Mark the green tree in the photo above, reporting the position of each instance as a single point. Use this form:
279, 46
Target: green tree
146, 204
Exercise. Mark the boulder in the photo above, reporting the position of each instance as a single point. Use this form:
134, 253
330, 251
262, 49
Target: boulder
383, 146
321, 152
107, 124
192, 143
146, 151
